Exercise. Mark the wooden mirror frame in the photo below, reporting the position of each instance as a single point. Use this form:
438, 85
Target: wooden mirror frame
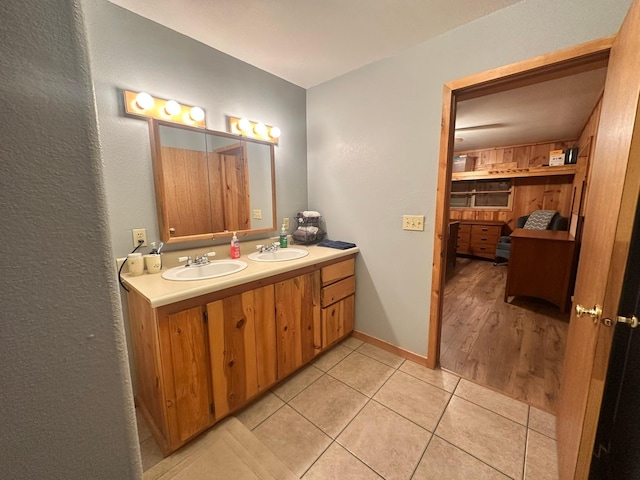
162, 191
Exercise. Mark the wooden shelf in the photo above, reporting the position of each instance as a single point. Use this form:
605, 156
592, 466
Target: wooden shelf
514, 173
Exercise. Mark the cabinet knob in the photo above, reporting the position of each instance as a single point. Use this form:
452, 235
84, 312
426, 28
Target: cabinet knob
172, 230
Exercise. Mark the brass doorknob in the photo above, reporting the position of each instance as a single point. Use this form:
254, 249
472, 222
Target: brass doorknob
594, 312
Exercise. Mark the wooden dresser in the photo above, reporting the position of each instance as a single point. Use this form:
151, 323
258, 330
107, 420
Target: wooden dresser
479, 237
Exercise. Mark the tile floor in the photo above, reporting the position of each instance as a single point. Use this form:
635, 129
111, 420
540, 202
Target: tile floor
359, 412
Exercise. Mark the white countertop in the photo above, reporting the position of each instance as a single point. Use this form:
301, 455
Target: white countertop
161, 292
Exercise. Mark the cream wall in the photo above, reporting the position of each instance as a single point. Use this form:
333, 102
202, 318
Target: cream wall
373, 140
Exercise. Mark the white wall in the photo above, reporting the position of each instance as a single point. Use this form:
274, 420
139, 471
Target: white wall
133, 53
65, 394
373, 141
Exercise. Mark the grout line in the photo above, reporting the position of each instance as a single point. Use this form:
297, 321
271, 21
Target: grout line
524, 460
494, 412
472, 455
424, 452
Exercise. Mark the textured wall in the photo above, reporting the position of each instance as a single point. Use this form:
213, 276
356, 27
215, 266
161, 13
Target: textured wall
373, 140
65, 394
133, 53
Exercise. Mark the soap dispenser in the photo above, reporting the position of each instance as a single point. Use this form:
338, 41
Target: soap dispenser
283, 237
235, 247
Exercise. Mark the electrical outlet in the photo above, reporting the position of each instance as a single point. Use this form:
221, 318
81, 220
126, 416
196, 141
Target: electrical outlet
285, 222
413, 222
257, 214
139, 234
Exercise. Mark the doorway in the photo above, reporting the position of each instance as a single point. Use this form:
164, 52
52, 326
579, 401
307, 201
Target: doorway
572, 61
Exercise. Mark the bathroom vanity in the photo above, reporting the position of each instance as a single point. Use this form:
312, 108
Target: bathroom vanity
203, 349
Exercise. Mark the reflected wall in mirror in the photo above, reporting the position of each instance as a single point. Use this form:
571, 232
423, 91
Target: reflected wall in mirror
209, 184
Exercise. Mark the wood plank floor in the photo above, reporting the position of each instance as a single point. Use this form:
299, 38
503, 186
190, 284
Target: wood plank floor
516, 348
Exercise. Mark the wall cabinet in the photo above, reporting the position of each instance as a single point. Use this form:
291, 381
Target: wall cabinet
201, 359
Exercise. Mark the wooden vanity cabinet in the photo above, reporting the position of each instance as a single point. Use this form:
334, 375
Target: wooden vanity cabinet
200, 359
187, 392
297, 321
242, 346
338, 301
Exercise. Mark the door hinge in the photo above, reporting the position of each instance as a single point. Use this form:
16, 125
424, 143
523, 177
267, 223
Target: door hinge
205, 316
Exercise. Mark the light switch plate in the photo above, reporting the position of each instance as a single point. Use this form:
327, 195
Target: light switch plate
257, 214
413, 222
285, 222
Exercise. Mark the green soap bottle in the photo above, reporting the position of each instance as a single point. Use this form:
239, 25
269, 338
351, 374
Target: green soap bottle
283, 237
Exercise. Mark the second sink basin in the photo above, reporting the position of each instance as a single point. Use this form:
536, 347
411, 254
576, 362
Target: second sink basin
217, 268
280, 255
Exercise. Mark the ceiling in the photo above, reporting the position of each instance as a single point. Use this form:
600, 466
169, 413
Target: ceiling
308, 42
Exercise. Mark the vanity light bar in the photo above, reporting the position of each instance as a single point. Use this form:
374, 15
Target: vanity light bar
257, 130
142, 104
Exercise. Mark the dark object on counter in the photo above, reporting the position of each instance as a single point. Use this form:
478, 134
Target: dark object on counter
336, 244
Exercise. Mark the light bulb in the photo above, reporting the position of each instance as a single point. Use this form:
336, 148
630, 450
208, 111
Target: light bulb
196, 114
172, 107
244, 125
260, 129
144, 100
275, 132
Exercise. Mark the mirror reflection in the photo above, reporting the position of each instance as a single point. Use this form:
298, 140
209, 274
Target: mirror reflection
211, 183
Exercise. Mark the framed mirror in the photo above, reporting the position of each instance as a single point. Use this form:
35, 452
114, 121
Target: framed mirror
209, 184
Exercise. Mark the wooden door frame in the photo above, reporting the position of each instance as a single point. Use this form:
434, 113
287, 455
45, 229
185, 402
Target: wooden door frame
569, 61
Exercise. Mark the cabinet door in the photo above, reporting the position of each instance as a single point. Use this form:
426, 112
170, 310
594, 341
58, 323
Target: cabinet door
242, 344
298, 321
186, 374
337, 320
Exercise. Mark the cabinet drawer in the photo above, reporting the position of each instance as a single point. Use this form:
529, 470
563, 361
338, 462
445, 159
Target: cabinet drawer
464, 229
485, 251
338, 271
484, 240
338, 290
485, 230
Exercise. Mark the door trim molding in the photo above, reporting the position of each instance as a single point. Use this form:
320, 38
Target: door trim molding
580, 58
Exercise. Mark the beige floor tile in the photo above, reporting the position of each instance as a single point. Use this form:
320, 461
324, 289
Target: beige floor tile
445, 461
331, 357
542, 422
143, 430
258, 411
414, 399
351, 343
381, 355
338, 463
541, 462
329, 404
298, 382
444, 380
293, 439
490, 437
494, 401
150, 453
362, 373
388, 443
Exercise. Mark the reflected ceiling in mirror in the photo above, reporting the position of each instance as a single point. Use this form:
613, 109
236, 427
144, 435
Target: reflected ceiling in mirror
209, 184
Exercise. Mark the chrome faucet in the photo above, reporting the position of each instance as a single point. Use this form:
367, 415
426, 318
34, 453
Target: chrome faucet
270, 248
199, 260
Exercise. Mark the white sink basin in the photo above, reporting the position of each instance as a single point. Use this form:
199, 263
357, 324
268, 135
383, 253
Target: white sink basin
280, 255
217, 268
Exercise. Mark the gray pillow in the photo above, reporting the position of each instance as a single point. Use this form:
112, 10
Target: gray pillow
539, 219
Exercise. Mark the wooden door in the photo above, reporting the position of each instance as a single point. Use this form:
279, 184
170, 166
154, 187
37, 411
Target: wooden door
298, 321
613, 197
242, 345
229, 184
185, 200
186, 374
